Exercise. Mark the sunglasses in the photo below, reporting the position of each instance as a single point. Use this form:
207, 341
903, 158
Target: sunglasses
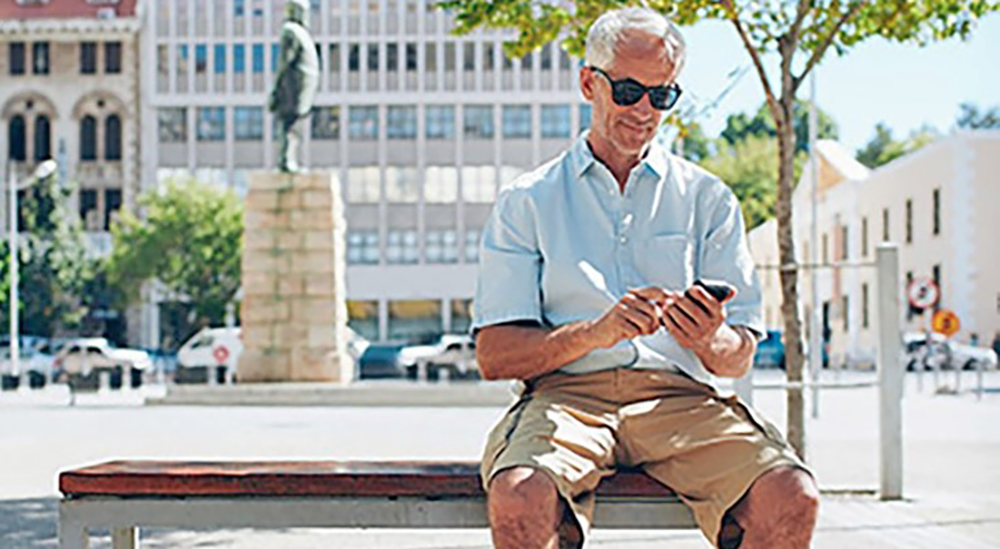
629, 92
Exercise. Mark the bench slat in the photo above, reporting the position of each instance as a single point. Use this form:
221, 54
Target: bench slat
307, 478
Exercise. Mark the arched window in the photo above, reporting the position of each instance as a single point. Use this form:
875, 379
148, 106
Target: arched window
16, 146
43, 138
88, 138
113, 138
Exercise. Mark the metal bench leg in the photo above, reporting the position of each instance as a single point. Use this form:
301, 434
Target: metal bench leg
125, 538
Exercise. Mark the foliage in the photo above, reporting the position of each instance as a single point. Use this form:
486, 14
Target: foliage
190, 241
882, 148
739, 126
971, 118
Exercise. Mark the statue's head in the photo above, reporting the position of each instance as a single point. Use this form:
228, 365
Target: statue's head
297, 11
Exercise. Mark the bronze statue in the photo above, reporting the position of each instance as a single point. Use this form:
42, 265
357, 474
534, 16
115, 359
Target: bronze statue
296, 82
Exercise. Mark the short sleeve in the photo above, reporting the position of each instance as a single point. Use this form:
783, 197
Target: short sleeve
508, 286
725, 256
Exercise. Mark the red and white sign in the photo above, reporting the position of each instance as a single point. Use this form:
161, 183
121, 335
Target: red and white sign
922, 293
221, 354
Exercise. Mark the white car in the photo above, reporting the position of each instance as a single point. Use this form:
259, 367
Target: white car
945, 354
81, 356
456, 351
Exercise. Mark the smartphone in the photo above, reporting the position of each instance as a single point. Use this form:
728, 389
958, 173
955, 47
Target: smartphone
716, 288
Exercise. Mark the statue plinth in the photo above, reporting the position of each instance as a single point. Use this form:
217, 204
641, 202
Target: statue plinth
294, 313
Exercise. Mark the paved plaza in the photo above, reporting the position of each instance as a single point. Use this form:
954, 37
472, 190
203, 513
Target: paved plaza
951, 463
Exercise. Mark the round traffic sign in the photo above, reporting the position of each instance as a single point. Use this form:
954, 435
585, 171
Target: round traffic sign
221, 353
945, 322
922, 293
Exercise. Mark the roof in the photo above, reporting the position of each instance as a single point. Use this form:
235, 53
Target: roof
63, 9
842, 160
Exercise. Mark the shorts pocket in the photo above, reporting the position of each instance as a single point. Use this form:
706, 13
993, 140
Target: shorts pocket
499, 437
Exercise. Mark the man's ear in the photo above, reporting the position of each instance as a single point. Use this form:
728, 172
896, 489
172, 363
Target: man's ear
587, 83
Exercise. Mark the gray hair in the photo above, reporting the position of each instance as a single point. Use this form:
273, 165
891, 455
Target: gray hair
608, 29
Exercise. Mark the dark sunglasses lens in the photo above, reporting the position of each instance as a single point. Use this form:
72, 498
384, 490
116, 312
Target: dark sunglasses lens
626, 93
665, 97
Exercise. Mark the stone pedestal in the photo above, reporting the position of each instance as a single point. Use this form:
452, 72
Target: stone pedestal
294, 313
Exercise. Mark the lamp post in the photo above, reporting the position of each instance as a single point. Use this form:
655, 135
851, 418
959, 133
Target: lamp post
44, 170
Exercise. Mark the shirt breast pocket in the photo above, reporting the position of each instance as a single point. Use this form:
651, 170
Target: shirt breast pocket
668, 261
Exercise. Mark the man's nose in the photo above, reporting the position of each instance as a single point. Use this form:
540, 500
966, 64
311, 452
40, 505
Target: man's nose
644, 107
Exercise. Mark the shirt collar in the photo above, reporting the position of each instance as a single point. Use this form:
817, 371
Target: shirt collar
583, 157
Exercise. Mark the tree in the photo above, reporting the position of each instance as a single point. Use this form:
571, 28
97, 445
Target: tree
738, 126
190, 241
882, 148
800, 34
972, 119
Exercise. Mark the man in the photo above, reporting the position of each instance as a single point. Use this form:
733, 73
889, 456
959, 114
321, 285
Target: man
581, 295
296, 82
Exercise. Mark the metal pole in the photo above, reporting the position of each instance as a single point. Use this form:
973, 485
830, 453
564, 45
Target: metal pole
890, 374
15, 348
815, 352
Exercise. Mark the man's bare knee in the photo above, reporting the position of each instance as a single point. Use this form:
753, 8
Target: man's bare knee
523, 492
780, 509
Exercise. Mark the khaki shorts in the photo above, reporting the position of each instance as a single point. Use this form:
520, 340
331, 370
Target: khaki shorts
577, 428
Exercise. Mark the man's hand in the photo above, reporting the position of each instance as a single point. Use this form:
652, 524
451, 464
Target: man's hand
632, 316
693, 317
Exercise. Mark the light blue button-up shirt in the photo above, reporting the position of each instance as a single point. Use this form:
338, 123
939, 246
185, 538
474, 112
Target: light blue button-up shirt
563, 244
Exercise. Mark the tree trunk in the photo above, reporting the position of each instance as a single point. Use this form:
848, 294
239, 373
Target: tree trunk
789, 276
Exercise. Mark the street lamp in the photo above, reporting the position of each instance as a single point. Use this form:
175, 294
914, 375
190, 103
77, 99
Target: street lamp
43, 171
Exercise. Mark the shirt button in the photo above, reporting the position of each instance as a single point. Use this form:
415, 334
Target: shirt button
623, 239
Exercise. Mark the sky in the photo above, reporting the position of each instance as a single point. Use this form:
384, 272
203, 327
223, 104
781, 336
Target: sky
905, 86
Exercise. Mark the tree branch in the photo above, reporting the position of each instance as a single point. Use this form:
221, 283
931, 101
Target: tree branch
800, 15
825, 44
755, 56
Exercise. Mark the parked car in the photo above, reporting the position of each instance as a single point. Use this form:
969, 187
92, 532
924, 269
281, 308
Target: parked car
454, 352
944, 354
83, 360
37, 358
770, 351
380, 361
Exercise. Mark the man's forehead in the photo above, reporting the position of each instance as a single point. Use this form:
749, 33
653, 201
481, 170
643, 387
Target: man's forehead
641, 56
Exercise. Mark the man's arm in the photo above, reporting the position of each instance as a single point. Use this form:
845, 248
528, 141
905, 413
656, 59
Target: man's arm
519, 351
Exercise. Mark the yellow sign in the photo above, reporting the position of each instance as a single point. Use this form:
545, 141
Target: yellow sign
945, 323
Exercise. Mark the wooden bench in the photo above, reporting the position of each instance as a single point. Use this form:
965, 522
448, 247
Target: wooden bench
123, 496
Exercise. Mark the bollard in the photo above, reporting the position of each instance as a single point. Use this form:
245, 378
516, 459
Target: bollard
103, 381
212, 373
444, 374
890, 373
979, 380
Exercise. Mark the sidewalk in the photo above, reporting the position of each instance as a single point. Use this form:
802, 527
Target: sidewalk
952, 452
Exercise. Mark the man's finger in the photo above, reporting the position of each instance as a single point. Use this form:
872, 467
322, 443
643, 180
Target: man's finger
694, 311
671, 323
640, 303
704, 300
652, 293
647, 324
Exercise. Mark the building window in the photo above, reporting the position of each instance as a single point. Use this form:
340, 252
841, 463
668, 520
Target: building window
461, 315
440, 122
363, 185
585, 113
844, 243
88, 57
516, 121
17, 64
112, 204
326, 123
40, 58
472, 245
479, 184
239, 58
478, 123
909, 221
362, 317
392, 57
402, 122
937, 212
113, 138
555, 121
43, 138
219, 63
885, 224
936, 275
864, 305
211, 124
401, 185
372, 58
88, 209
276, 55
825, 248
88, 139
333, 61
182, 63
353, 57
411, 56
362, 247
441, 184
363, 122
113, 57
172, 124
469, 56
450, 57
441, 246
416, 320
257, 54
248, 123
847, 313
864, 237
430, 58
401, 246
200, 58
17, 148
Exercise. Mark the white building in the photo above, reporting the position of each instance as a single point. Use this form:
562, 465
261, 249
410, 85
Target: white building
69, 90
421, 128
937, 203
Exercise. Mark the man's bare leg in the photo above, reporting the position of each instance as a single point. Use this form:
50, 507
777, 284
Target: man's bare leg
524, 509
778, 512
